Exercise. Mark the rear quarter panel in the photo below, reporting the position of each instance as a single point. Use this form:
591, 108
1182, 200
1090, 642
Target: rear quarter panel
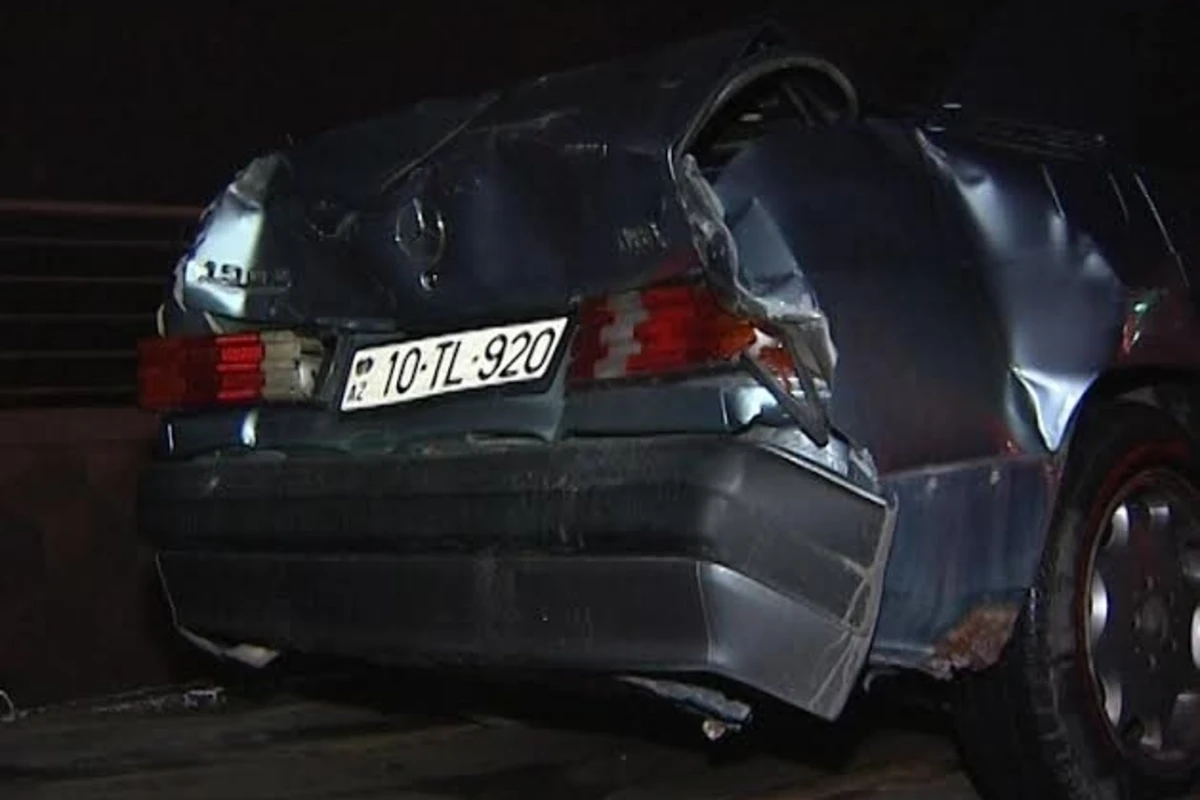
977, 282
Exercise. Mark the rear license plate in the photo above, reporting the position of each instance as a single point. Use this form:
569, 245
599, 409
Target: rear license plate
402, 372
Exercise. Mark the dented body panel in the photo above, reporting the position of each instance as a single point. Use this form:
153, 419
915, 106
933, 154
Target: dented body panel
952, 286
978, 279
507, 205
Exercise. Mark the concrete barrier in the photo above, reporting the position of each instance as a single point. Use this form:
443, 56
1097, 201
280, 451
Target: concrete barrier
81, 613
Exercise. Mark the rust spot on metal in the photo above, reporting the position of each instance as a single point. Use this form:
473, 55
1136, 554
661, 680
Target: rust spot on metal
977, 641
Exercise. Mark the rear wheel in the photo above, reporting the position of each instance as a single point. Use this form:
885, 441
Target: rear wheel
1098, 693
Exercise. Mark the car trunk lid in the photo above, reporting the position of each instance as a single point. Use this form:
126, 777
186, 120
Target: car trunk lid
458, 213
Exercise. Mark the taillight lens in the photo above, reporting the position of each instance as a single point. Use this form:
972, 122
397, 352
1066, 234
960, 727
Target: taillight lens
667, 329
196, 372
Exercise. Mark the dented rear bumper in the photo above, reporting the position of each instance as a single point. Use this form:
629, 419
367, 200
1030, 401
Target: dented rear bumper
665, 555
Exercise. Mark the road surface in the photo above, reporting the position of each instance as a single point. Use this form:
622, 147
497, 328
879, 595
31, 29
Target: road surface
363, 738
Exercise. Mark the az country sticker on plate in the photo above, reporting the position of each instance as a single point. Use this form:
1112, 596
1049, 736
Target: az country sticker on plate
401, 372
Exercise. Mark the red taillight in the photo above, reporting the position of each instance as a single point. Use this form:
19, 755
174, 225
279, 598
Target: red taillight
194, 372
663, 330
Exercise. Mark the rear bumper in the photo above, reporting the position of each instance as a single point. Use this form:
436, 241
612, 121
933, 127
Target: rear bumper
664, 555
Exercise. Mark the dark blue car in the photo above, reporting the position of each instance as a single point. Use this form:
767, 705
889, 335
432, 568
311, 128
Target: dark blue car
698, 370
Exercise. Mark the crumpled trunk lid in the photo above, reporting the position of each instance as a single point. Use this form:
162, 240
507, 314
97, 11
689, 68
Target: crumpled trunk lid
469, 211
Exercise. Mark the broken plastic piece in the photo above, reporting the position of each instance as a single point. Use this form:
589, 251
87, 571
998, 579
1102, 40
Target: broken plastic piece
714, 729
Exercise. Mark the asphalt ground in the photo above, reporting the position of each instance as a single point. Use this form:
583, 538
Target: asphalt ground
412, 736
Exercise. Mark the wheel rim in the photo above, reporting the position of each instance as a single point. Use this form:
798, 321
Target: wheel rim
1142, 620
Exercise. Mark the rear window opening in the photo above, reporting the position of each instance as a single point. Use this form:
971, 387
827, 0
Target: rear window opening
807, 96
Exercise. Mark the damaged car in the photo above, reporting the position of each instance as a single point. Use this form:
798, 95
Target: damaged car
697, 370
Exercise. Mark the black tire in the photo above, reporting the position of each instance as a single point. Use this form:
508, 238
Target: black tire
1031, 727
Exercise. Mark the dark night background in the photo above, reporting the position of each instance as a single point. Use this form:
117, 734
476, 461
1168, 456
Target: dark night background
161, 102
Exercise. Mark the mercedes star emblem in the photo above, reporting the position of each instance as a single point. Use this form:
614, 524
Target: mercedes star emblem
421, 233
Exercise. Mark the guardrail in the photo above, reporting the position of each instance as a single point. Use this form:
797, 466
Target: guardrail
79, 285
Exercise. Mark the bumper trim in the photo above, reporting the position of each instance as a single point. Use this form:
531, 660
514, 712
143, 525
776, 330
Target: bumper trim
653, 556
661, 616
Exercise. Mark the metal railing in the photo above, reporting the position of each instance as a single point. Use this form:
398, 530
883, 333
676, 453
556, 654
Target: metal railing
79, 285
